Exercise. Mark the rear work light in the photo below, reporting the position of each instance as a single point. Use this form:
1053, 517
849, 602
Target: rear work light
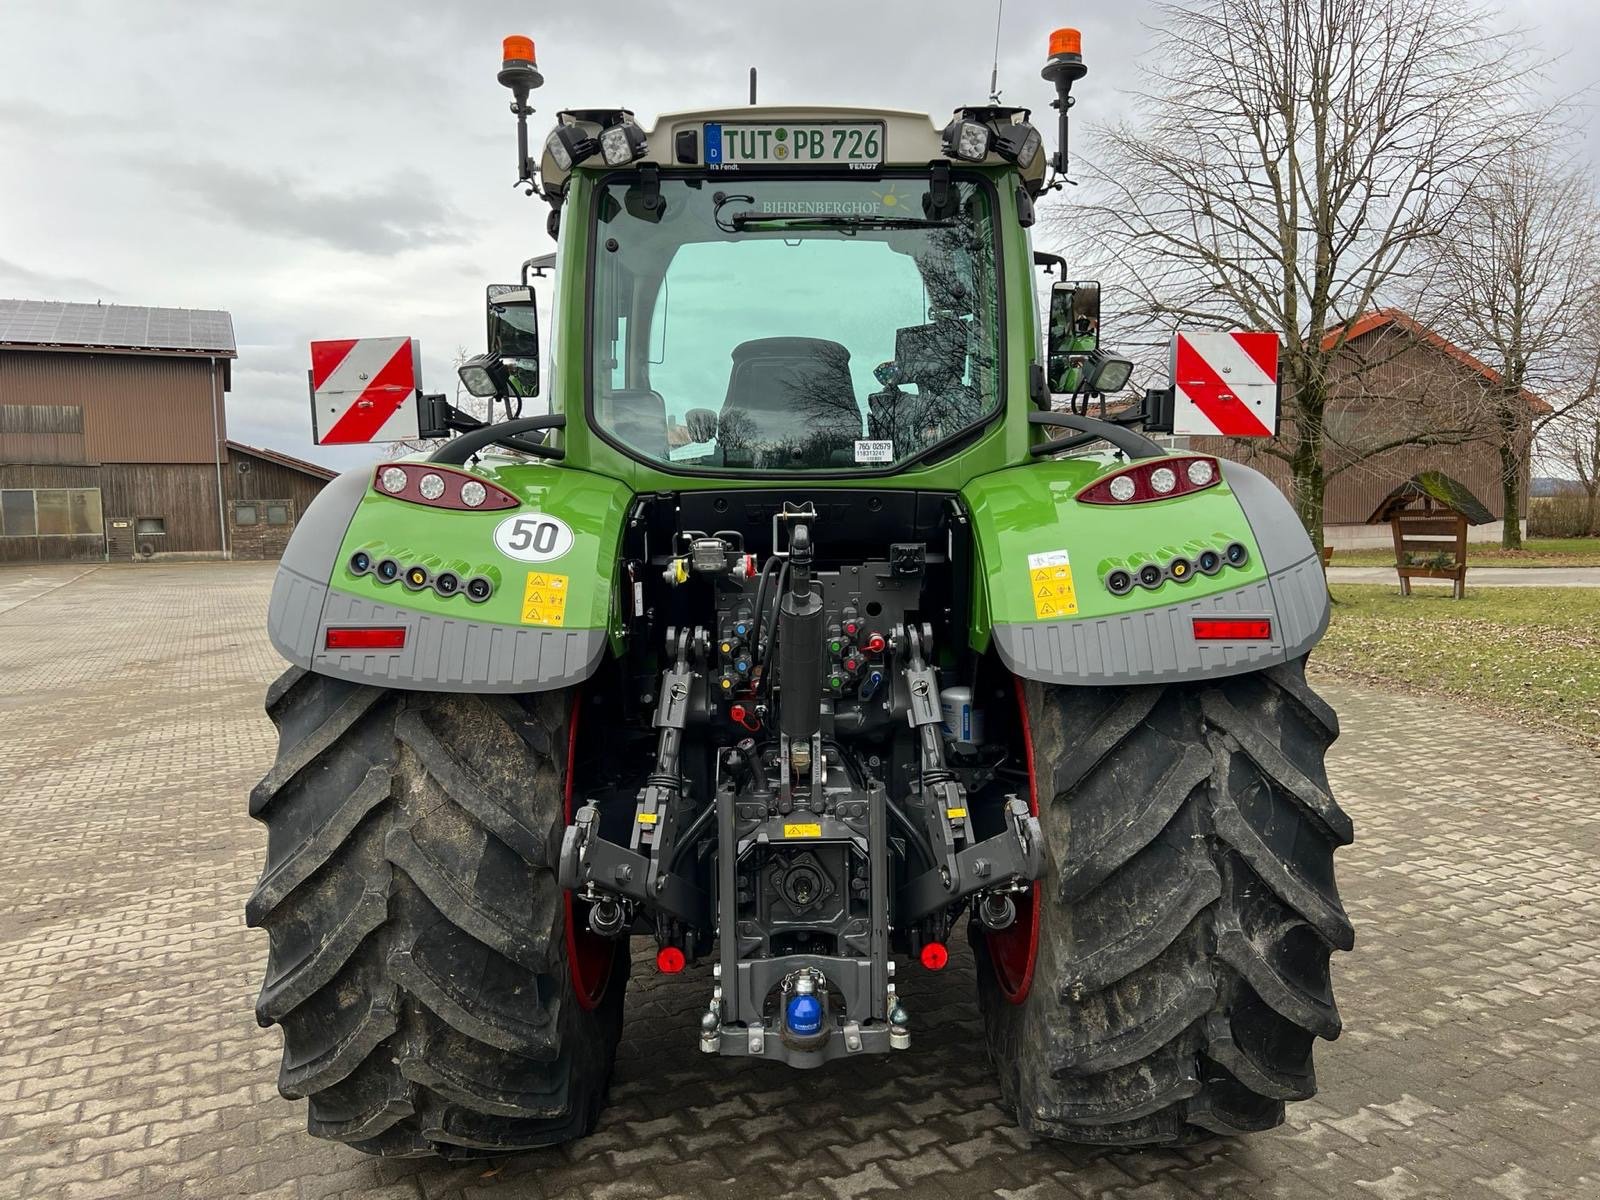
1232, 629
439, 487
1154, 479
367, 637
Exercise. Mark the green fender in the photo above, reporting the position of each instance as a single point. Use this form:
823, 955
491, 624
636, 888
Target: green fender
1043, 558
545, 623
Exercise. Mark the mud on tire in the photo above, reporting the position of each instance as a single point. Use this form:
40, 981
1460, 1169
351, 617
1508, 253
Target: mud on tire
1188, 914
419, 953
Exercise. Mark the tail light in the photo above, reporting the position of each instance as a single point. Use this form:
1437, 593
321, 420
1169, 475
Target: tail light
440, 487
369, 637
1155, 479
1232, 629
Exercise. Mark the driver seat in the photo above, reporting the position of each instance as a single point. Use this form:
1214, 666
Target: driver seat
784, 390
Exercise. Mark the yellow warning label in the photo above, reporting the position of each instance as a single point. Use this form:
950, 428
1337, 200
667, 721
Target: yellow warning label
544, 599
955, 814
1050, 579
648, 818
802, 831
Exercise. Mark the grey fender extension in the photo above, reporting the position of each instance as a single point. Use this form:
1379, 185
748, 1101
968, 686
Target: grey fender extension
1157, 645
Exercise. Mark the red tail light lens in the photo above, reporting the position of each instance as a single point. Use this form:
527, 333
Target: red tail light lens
367, 637
1155, 479
1232, 629
440, 487
669, 960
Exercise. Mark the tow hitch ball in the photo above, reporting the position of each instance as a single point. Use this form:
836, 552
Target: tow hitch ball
805, 1007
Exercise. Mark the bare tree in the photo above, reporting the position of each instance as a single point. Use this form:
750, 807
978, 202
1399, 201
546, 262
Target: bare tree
1571, 445
1517, 281
1292, 161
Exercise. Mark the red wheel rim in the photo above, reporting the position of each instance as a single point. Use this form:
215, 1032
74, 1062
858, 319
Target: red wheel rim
1013, 951
589, 957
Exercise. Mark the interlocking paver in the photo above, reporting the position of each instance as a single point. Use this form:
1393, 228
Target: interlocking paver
131, 1064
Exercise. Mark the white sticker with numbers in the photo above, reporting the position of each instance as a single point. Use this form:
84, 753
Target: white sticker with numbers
533, 537
874, 450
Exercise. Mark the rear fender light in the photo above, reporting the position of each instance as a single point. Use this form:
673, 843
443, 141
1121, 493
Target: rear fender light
1154, 479
1232, 629
439, 487
365, 637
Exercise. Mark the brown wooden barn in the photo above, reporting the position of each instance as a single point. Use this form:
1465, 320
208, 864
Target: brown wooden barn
114, 442
1395, 376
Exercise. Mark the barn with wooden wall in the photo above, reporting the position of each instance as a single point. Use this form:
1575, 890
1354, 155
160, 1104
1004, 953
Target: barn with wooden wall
267, 493
114, 443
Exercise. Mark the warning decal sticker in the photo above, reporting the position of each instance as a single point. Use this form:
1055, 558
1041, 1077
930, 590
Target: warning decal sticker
544, 599
1050, 576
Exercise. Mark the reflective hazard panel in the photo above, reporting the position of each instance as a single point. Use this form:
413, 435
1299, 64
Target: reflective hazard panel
364, 390
1225, 383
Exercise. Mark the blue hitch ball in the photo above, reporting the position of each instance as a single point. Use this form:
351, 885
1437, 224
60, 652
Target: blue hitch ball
804, 1016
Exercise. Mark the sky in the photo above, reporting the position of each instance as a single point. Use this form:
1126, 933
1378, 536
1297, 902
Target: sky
345, 168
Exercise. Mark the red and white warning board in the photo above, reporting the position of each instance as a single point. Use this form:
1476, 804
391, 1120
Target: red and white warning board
1225, 383
364, 390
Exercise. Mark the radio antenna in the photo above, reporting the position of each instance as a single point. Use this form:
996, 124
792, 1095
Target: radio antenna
994, 72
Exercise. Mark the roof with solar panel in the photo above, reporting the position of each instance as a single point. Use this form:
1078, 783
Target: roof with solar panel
57, 325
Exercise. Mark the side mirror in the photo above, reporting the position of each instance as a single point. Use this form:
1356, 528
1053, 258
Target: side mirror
1074, 332
513, 330
701, 423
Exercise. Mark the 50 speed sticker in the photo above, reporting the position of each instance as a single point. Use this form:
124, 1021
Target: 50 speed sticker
533, 537
1050, 577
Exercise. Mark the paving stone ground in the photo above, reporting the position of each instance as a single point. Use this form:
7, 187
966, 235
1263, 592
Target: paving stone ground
131, 1065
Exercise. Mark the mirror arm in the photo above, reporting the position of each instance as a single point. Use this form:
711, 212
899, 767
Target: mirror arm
1046, 261
1134, 445
456, 451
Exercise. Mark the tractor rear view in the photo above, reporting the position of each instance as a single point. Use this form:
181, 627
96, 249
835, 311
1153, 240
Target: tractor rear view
804, 620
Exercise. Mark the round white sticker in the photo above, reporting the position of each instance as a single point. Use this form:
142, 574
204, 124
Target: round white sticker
533, 537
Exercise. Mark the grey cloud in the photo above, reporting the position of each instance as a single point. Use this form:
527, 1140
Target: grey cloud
26, 282
401, 213
31, 119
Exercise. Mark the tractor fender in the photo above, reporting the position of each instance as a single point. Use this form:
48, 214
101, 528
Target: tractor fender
1044, 559
516, 641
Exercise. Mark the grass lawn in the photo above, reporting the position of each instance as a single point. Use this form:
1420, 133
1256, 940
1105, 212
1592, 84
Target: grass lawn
1535, 552
1531, 653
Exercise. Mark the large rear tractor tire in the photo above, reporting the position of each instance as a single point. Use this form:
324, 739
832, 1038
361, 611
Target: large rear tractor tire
1170, 975
434, 994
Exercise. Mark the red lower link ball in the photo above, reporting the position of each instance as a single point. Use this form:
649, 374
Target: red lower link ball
934, 956
669, 960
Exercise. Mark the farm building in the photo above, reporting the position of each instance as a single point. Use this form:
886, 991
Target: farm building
1393, 378
114, 443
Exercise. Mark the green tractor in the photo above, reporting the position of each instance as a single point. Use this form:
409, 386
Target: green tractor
803, 623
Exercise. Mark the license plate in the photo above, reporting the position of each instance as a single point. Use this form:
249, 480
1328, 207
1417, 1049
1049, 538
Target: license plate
794, 144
